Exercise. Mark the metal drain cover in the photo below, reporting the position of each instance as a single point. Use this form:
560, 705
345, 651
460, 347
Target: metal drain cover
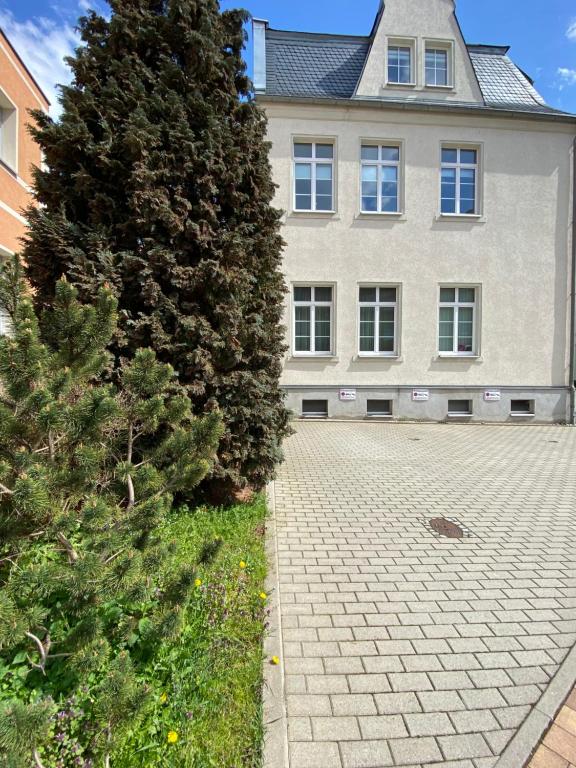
446, 528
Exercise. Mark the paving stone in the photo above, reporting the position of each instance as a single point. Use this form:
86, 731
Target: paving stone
327, 684
470, 745
483, 698
398, 703
353, 704
335, 728
521, 694
299, 729
446, 681
498, 740
304, 704
429, 724
409, 751
382, 727
315, 754
441, 701
374, 683
474, 721
365, 754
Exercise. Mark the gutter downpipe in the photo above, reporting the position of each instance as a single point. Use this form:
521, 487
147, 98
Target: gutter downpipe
572, 419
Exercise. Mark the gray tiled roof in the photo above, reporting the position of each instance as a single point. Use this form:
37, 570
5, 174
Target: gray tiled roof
313, 65
329, 66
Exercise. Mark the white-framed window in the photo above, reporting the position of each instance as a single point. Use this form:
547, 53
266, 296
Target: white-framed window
313, 175
380, 178
457, 321
378, 320
8, 132
313, 310
459, 180
400, 64
438, 65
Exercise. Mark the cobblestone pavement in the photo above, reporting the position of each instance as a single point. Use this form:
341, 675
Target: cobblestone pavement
402, 648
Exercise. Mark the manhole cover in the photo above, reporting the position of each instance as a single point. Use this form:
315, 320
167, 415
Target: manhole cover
446, 528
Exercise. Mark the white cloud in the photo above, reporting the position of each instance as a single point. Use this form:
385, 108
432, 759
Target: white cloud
571, 31
566, 77
42, 44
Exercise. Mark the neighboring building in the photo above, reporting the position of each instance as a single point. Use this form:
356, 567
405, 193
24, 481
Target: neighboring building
428, 192
19, 93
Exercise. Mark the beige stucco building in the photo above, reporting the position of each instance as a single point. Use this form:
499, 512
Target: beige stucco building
428, 198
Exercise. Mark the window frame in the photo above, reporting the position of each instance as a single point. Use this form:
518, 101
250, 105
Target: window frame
377, 306
456, 305
401, 42
440, 45
9, 129
459, 166
314, 161
312, 304
398, 164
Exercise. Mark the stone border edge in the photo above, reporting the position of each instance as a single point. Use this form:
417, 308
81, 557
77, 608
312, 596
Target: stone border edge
275, 748
528, 737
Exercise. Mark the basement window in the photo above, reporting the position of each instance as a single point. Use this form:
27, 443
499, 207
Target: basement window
378, 408
459, 407
522, 408
314, 409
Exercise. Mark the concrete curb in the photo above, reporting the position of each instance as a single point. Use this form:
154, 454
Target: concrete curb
528, 737
275, 750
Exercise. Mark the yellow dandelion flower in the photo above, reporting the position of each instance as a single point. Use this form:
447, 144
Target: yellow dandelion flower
275, 660
263, 595
164, 698
172, 737
242, 564
198, 582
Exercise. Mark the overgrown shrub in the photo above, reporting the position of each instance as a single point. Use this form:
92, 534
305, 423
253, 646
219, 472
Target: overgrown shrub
88, 470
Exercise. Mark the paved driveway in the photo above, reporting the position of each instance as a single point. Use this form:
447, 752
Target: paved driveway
403, 648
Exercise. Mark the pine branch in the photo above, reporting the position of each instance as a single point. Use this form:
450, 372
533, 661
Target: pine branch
72, 554
5, 490
129, 482
37, 762
43, 650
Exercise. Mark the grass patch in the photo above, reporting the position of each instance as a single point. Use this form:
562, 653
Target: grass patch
206, 686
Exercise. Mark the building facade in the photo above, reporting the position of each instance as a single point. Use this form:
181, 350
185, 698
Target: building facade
19, 93
428, 193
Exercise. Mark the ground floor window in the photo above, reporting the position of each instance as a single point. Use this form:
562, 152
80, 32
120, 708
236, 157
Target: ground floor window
457, 321
378, 306
313, 317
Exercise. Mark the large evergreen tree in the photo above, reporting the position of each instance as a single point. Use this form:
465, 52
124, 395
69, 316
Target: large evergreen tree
157, 182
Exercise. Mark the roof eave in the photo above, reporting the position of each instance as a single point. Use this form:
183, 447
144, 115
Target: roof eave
444, 108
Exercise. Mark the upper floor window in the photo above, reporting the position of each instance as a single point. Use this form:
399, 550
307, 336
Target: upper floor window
380, 178
459, 181
437, 73
457, 321
378, 308
313, 310
8, 132
400, 64
313, 176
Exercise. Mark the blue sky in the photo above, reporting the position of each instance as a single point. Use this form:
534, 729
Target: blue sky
542, 33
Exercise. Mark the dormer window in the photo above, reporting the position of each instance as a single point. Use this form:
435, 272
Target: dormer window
438, 65
400, 62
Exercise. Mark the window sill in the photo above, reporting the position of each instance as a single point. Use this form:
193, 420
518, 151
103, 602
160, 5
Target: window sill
378, 358
460, 415
522, 415
477, 218
312, 214
477, 358
312, 358
388, 84
7, 167
439, 87
396, 216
